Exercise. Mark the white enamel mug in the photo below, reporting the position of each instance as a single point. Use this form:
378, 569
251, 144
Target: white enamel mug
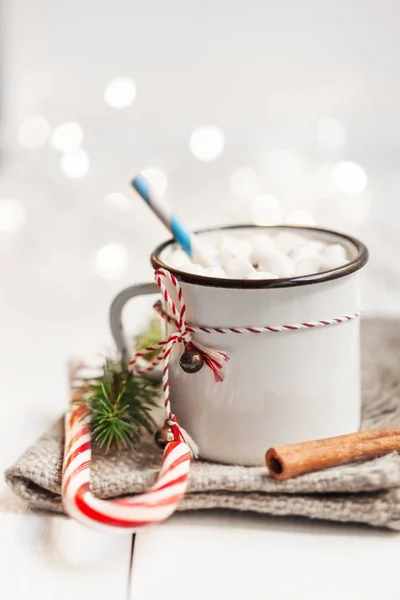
278, 388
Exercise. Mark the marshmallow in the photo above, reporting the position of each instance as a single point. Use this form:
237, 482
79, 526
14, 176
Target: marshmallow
260, 256
193, 268
278, 263
335, 252
178, 258
287, 241
316, 245
216, 271
332, 257
235, 248
327, 264
263, 275
308, 250
307, 266
239, 268
262, 246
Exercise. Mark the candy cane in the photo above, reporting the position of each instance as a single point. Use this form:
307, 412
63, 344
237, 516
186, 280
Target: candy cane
156, 505
125, 514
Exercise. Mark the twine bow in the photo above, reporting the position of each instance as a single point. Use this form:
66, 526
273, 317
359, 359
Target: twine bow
212, 357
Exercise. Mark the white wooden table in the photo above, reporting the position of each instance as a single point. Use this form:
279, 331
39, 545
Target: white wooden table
199, 555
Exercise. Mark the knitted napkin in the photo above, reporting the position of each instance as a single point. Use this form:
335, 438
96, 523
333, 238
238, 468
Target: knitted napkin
367, 492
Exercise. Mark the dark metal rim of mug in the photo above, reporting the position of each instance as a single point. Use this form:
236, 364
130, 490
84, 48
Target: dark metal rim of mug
203, 280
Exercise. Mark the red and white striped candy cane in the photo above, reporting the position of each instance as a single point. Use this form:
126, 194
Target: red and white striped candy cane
156, 505
125, 514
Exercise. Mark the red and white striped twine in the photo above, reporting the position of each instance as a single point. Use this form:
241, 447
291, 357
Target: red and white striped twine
131, 513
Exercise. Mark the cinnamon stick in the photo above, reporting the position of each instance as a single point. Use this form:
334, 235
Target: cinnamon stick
293, 460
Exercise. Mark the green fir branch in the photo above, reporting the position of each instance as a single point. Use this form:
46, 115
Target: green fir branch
119, 405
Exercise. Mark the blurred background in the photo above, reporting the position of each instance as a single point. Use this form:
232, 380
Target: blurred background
252, 111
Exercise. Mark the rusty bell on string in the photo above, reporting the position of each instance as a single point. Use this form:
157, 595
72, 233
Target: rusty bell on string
164, 435
191, 360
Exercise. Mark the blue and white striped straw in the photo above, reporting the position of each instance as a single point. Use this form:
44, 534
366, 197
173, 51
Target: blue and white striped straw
187, 240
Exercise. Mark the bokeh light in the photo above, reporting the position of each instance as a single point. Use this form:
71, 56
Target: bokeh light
157, 179
300, 217
120, 92
33, 132
331, 133
75, 164
207, 142
118, 200
67, 137
283, 164
111, 261
12, 215
323, 184
355, 210
245, 182
349, 177
266, 210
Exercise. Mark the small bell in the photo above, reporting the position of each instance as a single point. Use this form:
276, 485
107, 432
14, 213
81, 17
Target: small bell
164, 436
191, 360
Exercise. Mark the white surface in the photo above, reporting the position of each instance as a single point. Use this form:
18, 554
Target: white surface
231, 556
47, 557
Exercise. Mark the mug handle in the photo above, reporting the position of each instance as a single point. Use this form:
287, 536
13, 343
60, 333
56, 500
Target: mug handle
115, 316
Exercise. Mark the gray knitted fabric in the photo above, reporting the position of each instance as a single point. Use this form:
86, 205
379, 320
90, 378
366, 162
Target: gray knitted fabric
366, 492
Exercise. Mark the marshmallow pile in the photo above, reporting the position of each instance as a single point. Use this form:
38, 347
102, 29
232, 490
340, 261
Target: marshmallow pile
262, 256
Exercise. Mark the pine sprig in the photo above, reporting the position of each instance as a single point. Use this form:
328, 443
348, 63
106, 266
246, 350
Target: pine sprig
119, 405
